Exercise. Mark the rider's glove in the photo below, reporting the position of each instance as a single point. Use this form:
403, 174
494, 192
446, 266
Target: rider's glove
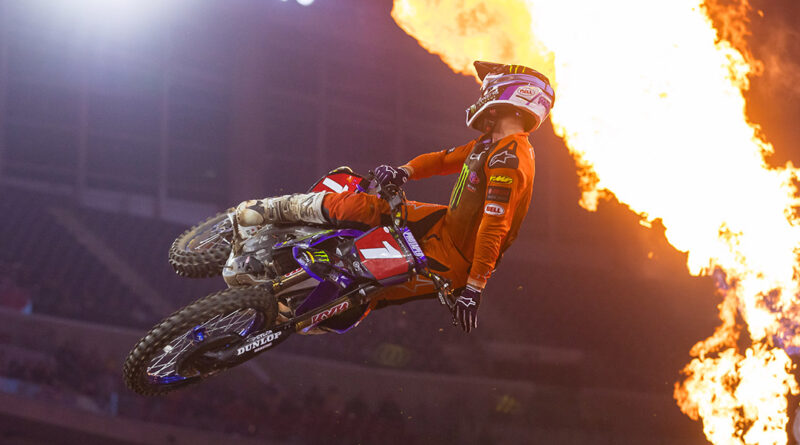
386, 174
467, 307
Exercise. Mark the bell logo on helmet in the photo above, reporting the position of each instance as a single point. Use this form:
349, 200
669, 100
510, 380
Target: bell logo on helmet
525, 92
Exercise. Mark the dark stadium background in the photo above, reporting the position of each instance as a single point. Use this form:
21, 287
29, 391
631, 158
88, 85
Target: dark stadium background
121, 127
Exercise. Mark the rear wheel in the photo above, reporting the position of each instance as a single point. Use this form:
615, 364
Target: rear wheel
186, 347
203, 250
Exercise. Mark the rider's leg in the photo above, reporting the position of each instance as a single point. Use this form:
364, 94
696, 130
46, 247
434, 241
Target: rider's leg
355, 210
345, 209
360, 210
340, 209
300, 207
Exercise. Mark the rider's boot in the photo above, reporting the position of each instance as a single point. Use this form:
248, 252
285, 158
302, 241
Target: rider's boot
300, 207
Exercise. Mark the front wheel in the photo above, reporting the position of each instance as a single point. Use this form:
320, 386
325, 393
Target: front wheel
184, 348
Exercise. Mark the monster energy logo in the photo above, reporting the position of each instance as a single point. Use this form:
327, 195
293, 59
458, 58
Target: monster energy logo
317, 256
462, 180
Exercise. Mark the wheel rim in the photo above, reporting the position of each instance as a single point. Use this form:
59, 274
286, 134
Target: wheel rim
189, 351
218, 235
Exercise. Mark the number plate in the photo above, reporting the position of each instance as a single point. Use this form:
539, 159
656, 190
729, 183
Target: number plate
381, 254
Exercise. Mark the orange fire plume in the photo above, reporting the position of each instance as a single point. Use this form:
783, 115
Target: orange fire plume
650, 103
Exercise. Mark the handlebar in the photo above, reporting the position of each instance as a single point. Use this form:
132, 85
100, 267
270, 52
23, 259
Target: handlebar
394, 195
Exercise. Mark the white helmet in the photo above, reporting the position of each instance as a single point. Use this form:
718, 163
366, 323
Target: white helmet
526, 91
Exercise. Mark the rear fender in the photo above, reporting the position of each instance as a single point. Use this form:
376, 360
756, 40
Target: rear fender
339, 180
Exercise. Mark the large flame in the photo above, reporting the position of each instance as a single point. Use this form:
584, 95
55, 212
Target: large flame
649, 100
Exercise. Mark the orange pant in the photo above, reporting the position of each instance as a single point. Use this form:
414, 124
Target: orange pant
426, 221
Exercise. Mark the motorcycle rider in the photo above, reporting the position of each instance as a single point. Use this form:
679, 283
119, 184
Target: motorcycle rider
463, 240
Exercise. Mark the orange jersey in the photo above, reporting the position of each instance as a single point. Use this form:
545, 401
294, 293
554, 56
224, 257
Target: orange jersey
490, 197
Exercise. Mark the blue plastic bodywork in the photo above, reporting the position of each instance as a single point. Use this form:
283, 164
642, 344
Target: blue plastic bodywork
324, 293
335, 278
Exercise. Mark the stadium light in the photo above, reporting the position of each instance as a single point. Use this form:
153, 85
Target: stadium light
113, 17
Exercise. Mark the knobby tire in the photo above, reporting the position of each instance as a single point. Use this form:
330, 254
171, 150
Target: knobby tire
200, 263
179, 323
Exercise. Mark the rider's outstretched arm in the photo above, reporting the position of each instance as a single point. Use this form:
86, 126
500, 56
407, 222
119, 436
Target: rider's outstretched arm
445, 162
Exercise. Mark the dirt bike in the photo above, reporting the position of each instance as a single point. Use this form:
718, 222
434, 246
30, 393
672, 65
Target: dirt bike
283, 279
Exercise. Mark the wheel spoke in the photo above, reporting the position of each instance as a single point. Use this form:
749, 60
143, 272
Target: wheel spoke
162, 368
215, 237
212, 241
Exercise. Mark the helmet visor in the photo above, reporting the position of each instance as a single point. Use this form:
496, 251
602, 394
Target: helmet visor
498, 81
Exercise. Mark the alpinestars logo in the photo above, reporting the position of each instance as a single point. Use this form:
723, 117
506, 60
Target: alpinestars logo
466, 301
501, 158
506, 157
